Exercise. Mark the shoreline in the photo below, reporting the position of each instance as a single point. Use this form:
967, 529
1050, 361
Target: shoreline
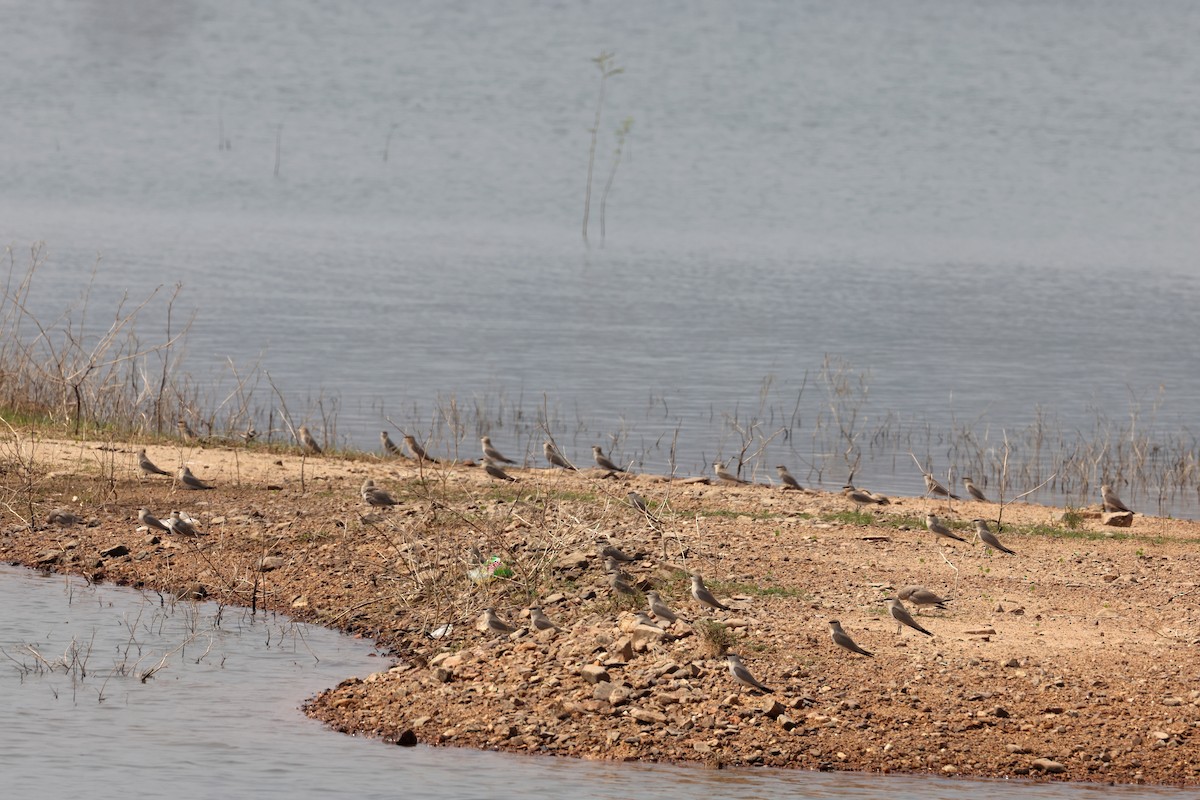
1073, 660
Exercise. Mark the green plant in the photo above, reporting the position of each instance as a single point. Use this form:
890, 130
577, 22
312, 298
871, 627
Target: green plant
714, 638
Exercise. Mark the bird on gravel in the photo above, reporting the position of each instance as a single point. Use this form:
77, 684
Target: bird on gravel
786, 477
974, 491
539, 619
150, 521
703, 596
495, 471
935, 526
843, 640
989, 538
148, 466
606, 549
491, 453
307, 441
932, 486
660, 609
1111, 501
920, 597
603, 461
724, 475
374, 496
619, 586
612, 567
742, 675
190, 481
389, 447
556, 458
902, 617
490, 622
639, 503
418, 452
860, 497
177, 524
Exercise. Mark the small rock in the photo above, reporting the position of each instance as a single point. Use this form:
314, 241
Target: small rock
772, 708
1172, 701
648, 716
949, 769
48, 557
268, 563
1048, 766
576, 560
1016, 749
1012, 662
1119, 519
442, 674
116, 551
407, 739
594, 673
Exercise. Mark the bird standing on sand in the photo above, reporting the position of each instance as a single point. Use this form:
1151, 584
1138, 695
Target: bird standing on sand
725, 475
185, 430
555, 458
307, 441
150, 521
190, 481
491, 453
148, 466
490, 622
374, 496
935, 526
902, 617
742, 675
540, 621
495, 471
703, 596
418, 452
1111, 501
843, 640
974, 491
860, 497
932, 486
177, 524
603, 461
989, 538
389, 447
920, 597
786, 477
660, 609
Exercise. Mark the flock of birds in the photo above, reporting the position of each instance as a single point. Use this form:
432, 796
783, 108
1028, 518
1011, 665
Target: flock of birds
621, 583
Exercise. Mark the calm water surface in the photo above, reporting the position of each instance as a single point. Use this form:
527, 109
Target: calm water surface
987, 211
221, 718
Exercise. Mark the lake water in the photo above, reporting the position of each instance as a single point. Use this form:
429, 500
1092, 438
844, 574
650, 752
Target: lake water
983, 214
221, 718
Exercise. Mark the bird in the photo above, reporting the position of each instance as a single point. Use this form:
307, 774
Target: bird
555, 458
973, 490
607, 549
603, 461
612, 567
989, 538
920, 597
148, 466
860, 497
374, 496
880, 499
703, 596
150, 521
642, 618
495, 471
788, 481
539, 619
249, 435
843, 640
185, 430
307, 441
492, 453
932, 486
725, 475
389, 447
177, 524
1111, 501
418, 451
742, 675
660, 609
902, 617
639, 503
935, 526
490, 622
190, 481
619, 586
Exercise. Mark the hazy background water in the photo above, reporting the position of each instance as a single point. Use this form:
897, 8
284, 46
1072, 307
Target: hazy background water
222, 718
988, 211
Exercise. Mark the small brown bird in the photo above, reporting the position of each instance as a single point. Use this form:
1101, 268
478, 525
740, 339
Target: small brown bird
190, 481
639, 503
989, 538
150, 521
178, 525
920, 597
149, 466
540, 621
374, 496
556, 458
703, 596
607, 549
602, 461
185, 430
619, 586
724, 475
489, 622
418, 452
843, 640
932, 486
936, 527
974, 491
786, 477
660, 609
495, 471
902, 617
389, 447
860, 497
491, 453
307, 441
1111, 501
742, 675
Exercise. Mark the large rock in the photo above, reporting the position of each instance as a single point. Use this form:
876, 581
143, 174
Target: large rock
594, 673
1119, 519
